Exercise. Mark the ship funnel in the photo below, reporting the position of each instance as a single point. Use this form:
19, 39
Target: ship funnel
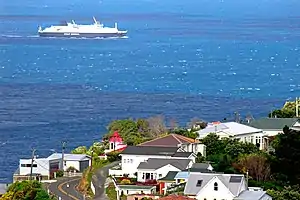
40, 28
116, 25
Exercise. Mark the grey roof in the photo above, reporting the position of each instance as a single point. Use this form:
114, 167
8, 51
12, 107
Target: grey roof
170, 176
149, 150
3, 188
191, 187
251, 195
69, 157
182, 154
156, 163
273, 123
136, 187
200, 166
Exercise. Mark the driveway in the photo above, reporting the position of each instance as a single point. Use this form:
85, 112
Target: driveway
99, 179
65, 188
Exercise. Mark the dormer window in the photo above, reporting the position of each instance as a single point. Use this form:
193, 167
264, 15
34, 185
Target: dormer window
215, 186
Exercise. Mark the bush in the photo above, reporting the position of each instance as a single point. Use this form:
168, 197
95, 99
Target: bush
59, 173
125, 182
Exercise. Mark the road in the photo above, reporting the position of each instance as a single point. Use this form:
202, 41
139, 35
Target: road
99, 179
66, 188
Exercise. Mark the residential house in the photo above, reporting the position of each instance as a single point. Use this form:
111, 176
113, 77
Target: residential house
238, 131
167, 182
115, 143
175, 140
274, 126
156, 168
77, 161
176, 197
173, 180
132, 156
44, 168
208, 186
129, 190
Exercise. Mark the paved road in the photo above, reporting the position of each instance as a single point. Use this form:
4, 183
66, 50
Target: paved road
66, 188
99, 179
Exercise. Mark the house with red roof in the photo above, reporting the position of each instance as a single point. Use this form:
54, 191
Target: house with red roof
175, 140
115, 143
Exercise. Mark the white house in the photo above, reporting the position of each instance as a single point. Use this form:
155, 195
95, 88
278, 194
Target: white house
175, 140
207, 186
132, 156
156, 168
78, 161
44, 168
115, 143
274, 126
236, 130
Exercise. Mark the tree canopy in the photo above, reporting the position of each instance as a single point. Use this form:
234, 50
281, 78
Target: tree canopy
26, 190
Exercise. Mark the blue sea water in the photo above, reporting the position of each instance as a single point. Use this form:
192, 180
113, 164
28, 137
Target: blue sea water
182, 59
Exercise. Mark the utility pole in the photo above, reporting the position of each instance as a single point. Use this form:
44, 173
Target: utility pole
32, 159
297, 106
63, 155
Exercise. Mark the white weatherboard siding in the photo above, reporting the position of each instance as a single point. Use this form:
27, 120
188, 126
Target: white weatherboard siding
40, 166
209, 193
157, 173
130, 163
75, 164
194, 147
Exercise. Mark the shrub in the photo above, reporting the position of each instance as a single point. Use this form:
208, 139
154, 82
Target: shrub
59, 173
125, 182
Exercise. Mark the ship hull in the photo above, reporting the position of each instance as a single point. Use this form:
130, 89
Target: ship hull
81, 35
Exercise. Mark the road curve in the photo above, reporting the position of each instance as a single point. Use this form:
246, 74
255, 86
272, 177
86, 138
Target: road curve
66, 188
99, 179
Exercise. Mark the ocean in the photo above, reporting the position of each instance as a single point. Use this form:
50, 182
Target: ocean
181, 59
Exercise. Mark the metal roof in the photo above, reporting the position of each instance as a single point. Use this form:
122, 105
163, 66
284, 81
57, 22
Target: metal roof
251, 195
149, 150
156, 163
69, 157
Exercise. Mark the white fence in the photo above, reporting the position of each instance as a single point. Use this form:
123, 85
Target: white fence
115, 172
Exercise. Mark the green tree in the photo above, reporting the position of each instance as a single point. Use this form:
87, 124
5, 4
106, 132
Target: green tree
80, 150
288, 193
287, 153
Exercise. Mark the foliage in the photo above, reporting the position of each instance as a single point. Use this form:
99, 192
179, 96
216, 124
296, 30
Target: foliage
111, 192
125, 182
288, 193
59, 173
113, 156
230, 147
200, 158
95, 149
185, 132
137, 131
27, 190
80, 150
72, 169
287, 153
288, 111
146, 198
283, 113
196, 123
256, 164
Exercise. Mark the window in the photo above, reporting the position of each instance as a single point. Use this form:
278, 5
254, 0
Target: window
124, 160
135, 198
159, 175
28, 165
199, 183
215, 186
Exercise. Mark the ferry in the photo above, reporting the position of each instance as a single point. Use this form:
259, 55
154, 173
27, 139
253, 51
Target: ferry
72, 29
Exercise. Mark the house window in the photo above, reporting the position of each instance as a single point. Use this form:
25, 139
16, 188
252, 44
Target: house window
135, 198
199, 183
124, 160
159, 175
127, 191
28, 165
215, 186
143, 177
